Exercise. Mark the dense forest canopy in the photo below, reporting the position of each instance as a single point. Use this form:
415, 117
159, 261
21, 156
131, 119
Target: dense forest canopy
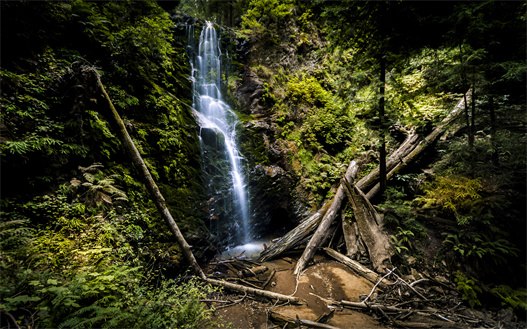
316, 84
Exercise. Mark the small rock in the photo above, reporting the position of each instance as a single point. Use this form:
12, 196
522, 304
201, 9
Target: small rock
438, 290
409, 277
441, 279
410, 260
416, 274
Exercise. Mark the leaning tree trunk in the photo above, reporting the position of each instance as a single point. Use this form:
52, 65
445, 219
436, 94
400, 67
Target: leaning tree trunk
365, 272
414, 146
159, 201
151, 186
330, 215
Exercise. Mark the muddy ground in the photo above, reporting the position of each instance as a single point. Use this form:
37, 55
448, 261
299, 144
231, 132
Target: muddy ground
321, 283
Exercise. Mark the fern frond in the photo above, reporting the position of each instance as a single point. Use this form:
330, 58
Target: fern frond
92, 168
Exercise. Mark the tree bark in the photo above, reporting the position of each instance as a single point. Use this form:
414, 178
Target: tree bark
285, 321
151, 186
370, 226
412, 147
330, 215
354, 245
382, 151
493, 129
294, 237
257, 292
357, 267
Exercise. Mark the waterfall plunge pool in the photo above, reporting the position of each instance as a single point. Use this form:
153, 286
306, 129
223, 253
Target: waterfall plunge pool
249, 250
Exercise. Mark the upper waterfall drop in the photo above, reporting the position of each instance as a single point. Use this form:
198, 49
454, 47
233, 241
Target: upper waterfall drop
216, 116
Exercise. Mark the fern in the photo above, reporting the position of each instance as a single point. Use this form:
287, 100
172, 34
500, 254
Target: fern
14, 233
515, 299
468, 288
100, 190
17, 147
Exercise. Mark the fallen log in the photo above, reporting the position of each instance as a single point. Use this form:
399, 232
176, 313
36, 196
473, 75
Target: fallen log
291, 239
375, 307
257, 292
373, 176
294, 237
285, 321
324, 225
369, 224
411, 148
354, 245
252, 271
364, 272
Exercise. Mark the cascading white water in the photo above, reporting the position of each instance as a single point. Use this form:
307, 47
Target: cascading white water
214, 114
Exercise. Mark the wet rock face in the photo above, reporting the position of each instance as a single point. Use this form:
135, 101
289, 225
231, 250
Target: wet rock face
250, 93
270, 200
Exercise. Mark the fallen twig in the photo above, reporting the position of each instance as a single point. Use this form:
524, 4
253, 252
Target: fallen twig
375, 286
412, 288
269, 279
418, 281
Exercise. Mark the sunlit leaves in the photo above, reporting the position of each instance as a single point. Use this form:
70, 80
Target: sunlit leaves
265, 16
456, 194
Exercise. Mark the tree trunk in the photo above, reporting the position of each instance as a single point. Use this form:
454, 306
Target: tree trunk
413, 146
370, 226
495, 155
472, 129
294, 237
382, 151
354, 245
357, 267
151, 186
330, 215
257, 292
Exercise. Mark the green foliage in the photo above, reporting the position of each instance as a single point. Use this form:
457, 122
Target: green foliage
470, 245
399, 217
173, 305
265, 16
399, 214
457, 195
307, 91
99, 189
84, 270
468, 288
515, 299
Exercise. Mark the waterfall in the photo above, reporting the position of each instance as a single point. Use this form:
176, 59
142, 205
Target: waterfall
217, 122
